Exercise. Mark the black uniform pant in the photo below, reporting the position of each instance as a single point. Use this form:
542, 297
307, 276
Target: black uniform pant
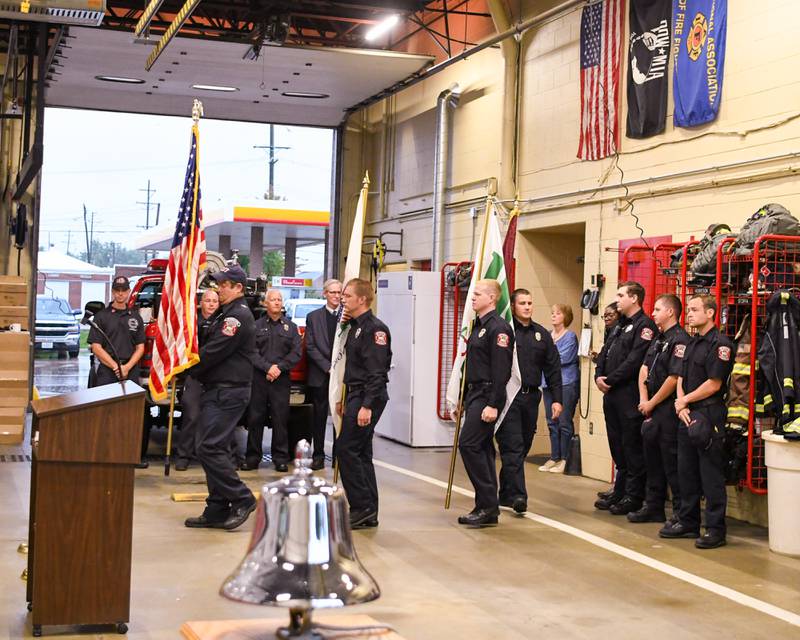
105, 375
222, 408
625, 441
354, 453
514, 439
702, 473
476, 446
190, 417
661, 458
319, 400
269, 404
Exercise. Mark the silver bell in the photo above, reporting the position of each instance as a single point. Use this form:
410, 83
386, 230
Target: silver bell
301, 554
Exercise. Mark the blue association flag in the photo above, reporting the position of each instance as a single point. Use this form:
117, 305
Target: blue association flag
699, 28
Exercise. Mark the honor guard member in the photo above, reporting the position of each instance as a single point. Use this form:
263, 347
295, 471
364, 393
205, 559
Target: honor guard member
700, 405
617, 376
490, 350
226, 373
320, 333
536, 354
368, 352
278, 350
658, 379
125, 330
192, 389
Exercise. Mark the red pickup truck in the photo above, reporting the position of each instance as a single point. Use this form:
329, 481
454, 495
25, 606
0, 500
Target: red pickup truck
146, 297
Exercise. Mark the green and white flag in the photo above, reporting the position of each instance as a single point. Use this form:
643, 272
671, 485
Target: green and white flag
489, 266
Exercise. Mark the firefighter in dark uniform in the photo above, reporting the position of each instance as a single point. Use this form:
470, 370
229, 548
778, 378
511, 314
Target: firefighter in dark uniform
192, 389
617, 376
490, 350
368, 353
125, 330
536, 354
226, 372
700, 405
278, 350
658, 379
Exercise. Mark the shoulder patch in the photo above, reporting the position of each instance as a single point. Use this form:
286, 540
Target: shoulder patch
133, 324
502, 340
381, 338
646, 334
724, 353
680, 349
230, 326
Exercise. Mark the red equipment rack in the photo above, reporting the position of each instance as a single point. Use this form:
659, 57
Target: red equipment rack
451, 311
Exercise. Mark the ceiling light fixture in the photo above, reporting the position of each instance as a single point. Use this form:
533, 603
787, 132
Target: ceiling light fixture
305, 94
120, 79
212, 87
381, 28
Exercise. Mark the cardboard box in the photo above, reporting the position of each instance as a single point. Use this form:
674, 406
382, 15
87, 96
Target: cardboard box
13, 291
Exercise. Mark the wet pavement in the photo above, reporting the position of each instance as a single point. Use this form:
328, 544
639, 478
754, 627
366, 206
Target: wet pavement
54, 375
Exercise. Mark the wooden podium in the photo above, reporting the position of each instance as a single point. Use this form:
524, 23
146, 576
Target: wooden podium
81, 515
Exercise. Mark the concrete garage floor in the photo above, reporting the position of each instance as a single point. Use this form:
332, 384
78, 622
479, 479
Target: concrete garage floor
563, 571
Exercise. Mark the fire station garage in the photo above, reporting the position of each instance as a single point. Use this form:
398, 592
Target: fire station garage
613, 181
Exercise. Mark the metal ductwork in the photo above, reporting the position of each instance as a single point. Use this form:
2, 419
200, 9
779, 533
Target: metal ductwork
445, 103
87, 13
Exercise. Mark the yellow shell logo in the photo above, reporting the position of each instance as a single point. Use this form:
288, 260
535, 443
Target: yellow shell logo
697, 36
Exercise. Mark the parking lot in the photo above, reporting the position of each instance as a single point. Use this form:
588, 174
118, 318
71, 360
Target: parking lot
54, 375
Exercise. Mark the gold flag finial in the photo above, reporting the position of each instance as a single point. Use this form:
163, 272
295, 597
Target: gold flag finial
365, 183
515, 210
197, 111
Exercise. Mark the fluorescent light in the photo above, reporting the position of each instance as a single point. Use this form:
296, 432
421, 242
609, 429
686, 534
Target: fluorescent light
212, 87
381, 28
305, 94
121, 79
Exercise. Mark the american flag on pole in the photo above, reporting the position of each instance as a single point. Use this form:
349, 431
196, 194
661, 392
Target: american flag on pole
175, 347
601, 33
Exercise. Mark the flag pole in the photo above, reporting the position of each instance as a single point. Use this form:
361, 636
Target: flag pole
457, 432
169, 426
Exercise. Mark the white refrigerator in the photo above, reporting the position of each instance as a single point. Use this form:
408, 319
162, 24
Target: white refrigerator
408, 302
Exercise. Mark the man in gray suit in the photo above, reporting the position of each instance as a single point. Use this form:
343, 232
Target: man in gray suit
320, 332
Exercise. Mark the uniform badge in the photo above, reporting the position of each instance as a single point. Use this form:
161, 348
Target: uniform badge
680, 349
285, 327
629, 328
358, 332
502, 339
133, 324
538, 336
724, 353
230, 326
646, 334
481, 333
380, 338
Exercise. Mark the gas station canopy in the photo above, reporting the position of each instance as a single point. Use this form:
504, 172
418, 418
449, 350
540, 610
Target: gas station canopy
279, 220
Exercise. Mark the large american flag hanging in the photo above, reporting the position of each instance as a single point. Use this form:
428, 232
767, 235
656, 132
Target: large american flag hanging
175, 347
601, 31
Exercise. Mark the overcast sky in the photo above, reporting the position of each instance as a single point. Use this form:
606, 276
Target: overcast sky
104, 160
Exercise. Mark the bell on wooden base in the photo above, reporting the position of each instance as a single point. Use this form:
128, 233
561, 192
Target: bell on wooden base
301, 553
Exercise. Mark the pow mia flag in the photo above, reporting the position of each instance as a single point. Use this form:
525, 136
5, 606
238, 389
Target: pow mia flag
648, 56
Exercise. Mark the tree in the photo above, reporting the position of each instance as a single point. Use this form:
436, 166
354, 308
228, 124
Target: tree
107, 254
273, 263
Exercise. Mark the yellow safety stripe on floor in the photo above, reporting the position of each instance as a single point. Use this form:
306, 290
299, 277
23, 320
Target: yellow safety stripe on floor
199, 497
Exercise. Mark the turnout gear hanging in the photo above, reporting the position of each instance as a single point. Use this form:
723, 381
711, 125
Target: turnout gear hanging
779, 360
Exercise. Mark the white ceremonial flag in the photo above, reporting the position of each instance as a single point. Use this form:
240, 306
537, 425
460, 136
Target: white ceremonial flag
352, 269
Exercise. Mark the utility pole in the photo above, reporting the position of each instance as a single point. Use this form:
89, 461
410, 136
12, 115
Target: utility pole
146, 203
270, 195
86, 231
69, 236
